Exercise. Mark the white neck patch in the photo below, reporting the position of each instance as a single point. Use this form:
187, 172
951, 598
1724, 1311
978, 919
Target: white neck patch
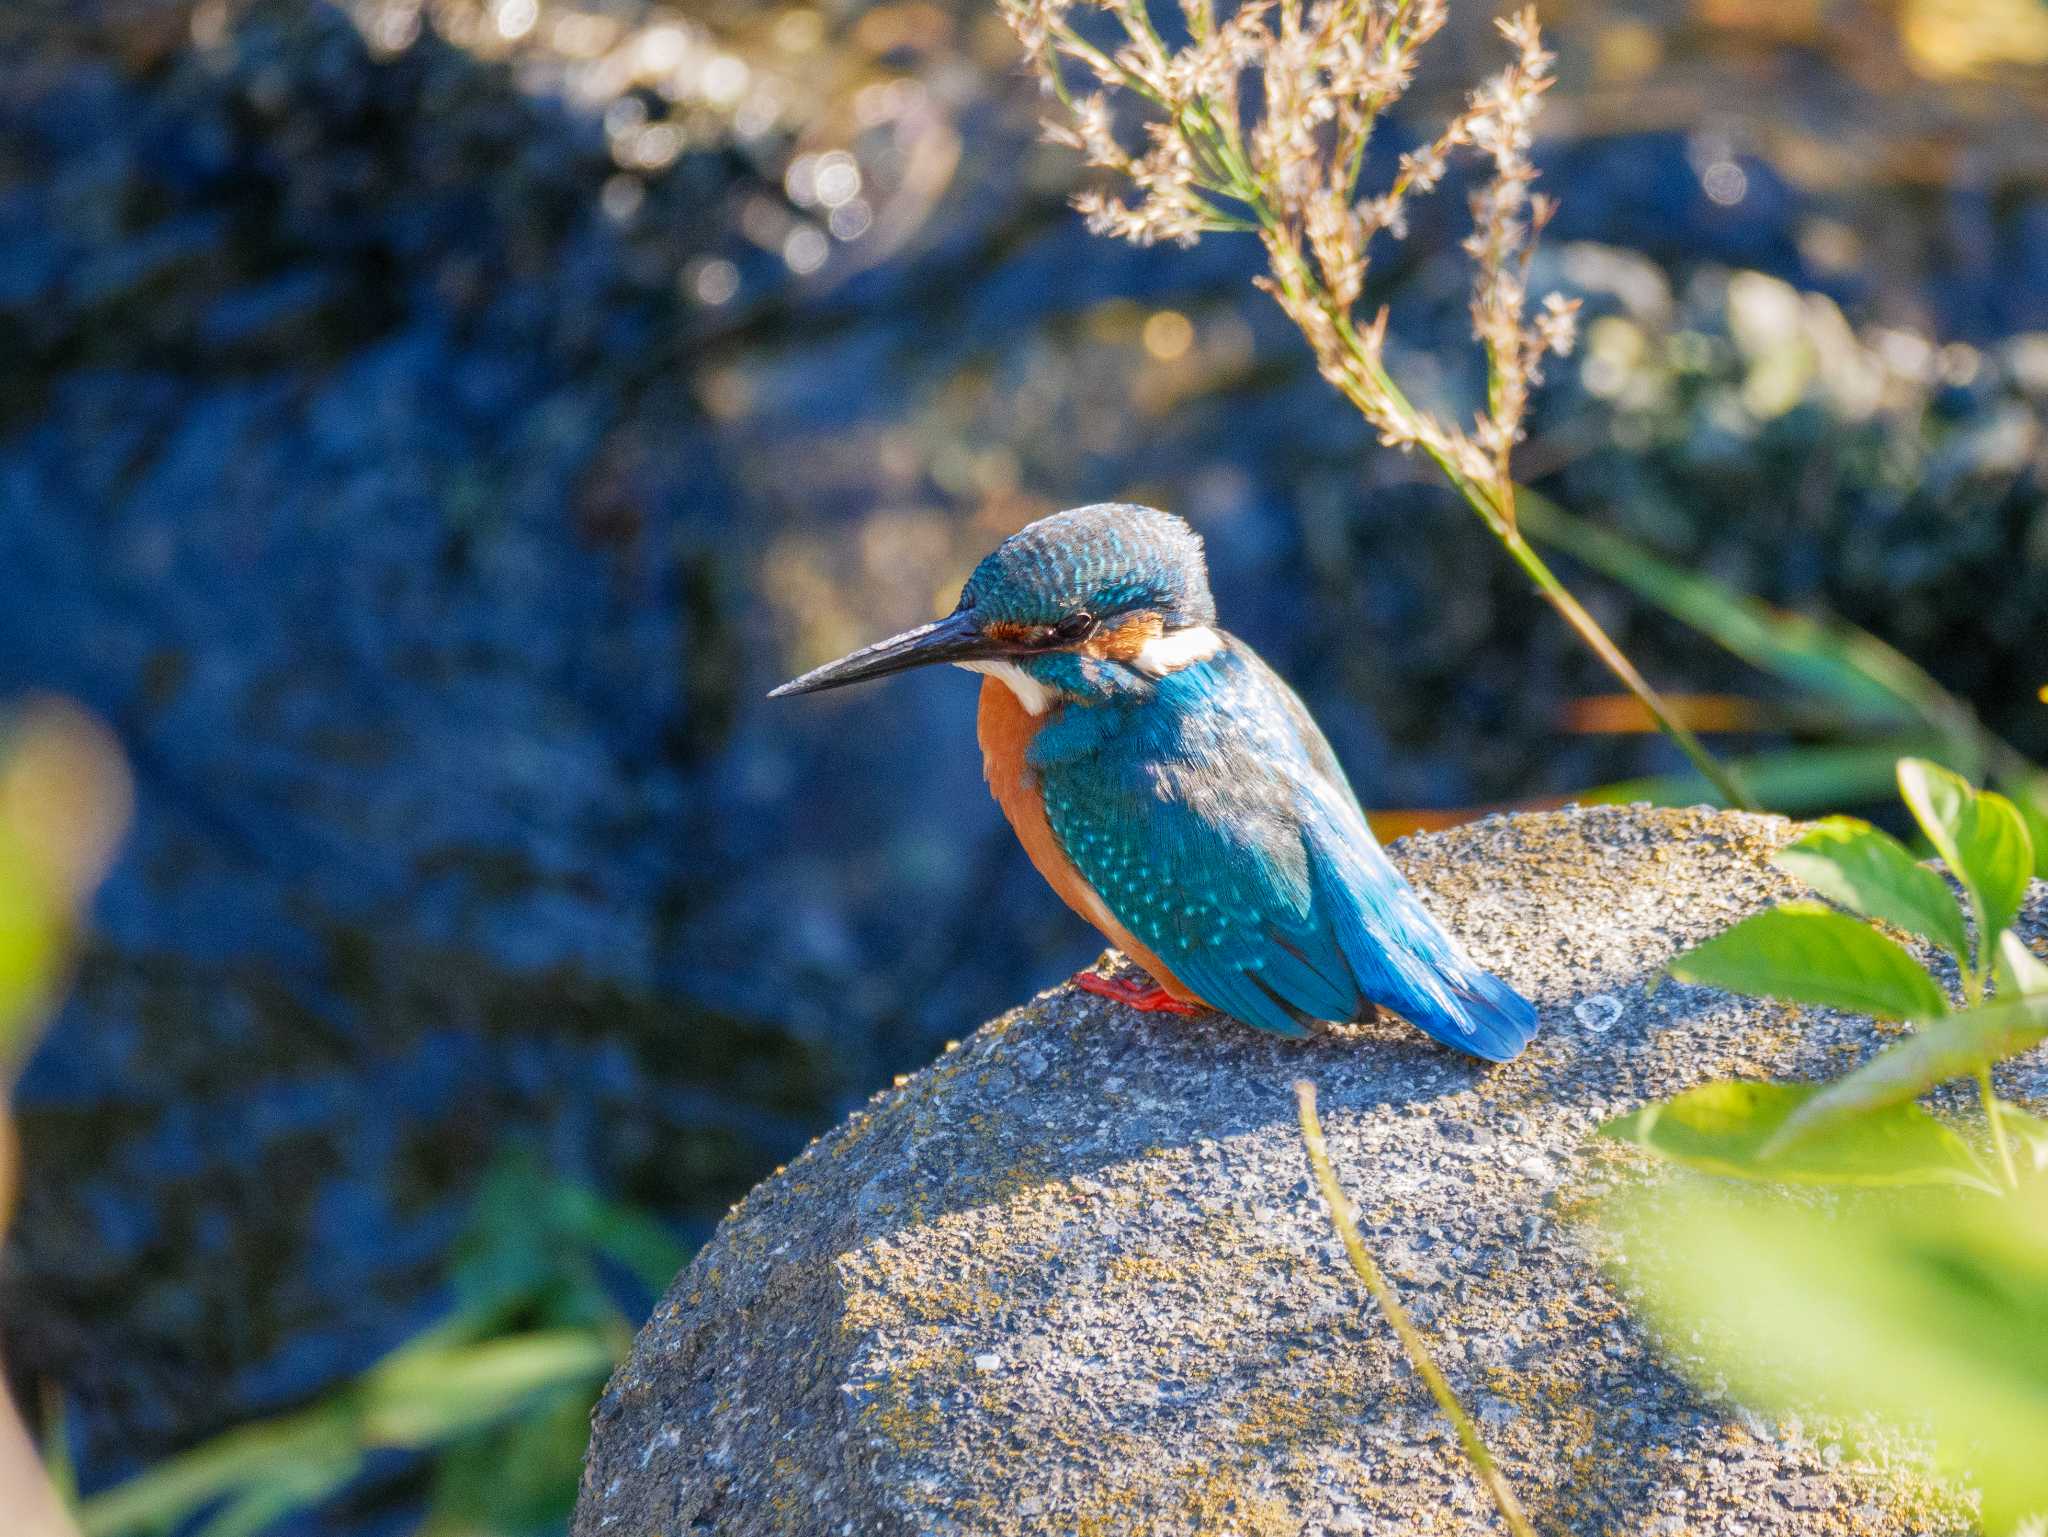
1033, 695
1183, 648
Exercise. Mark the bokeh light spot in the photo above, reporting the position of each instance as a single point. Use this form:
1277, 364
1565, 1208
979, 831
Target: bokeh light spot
725, 80
804, 249
799, 30
1958, 39
1830, 245
657, 145
1168, 334
800, 180
579, 35
1725, 183
1626, 51
663, 49
622, 197
851, 220
837, 179
1958, 363
1615, 349
624, 116
515, 18
712, 281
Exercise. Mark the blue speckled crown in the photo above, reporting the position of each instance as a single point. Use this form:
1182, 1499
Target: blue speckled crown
1107, 558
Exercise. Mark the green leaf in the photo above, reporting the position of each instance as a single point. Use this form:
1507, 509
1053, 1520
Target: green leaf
2016, 969
1926, 1310
1870, 872
1940, 802
60, 1466
519, 1477
2029, 792
1809, 953
414, 1400
531, 1238
2000, 858
1954, 1047
1979, 835
1729, 1128
2027, 1135
168, 1492
292, 1488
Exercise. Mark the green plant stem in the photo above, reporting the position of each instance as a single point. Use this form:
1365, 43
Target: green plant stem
1987, 1092
1417, 1348
1500, 521
1974, 977
1991, 1118
1720, 775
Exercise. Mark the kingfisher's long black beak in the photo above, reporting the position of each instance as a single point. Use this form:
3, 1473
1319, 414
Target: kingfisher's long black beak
951, 639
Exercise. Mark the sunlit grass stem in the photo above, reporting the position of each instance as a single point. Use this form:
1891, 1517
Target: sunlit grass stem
1495, 505
1417, 1348
1722, 776
1260, 123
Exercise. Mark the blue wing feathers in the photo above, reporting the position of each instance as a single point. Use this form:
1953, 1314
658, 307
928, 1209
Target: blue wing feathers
1313, 988
1213, 820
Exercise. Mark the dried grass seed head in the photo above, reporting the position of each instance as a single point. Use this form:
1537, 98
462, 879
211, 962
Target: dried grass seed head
1259, 119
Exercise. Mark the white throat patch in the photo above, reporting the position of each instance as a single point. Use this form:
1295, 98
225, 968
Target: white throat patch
1183, 648
1033, 695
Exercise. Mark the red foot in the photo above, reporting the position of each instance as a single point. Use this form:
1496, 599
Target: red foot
1145, 997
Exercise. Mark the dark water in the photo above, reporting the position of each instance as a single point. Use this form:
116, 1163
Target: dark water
374, 456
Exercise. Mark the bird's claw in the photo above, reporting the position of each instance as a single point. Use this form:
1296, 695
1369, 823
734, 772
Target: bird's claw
1146, 997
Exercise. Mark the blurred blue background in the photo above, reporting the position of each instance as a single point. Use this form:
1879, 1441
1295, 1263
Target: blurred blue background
427, 429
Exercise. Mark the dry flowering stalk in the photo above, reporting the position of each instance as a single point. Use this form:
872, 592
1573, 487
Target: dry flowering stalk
1258, 120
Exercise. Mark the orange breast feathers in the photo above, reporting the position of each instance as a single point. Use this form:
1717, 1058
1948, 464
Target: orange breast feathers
1006, 729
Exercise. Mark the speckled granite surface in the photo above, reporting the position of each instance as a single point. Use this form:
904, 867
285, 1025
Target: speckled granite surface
1073, 1278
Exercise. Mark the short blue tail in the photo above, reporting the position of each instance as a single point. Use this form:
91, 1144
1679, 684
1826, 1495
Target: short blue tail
1486, 1017
1402, 959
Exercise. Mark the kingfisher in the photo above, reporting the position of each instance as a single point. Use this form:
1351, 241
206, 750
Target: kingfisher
1177, 794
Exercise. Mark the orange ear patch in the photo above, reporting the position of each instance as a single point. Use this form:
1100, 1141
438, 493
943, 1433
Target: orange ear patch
1123, 643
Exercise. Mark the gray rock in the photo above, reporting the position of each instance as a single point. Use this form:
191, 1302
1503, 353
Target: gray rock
1074, 1278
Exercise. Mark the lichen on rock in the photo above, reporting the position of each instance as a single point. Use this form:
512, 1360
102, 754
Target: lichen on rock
1074, 1277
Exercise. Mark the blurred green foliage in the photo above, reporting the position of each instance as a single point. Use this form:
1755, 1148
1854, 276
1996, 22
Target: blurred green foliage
1926, 1309
30, 932
64, 803
498, 1393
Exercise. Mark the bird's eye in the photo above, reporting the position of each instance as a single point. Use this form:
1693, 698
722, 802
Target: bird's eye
1074, 626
